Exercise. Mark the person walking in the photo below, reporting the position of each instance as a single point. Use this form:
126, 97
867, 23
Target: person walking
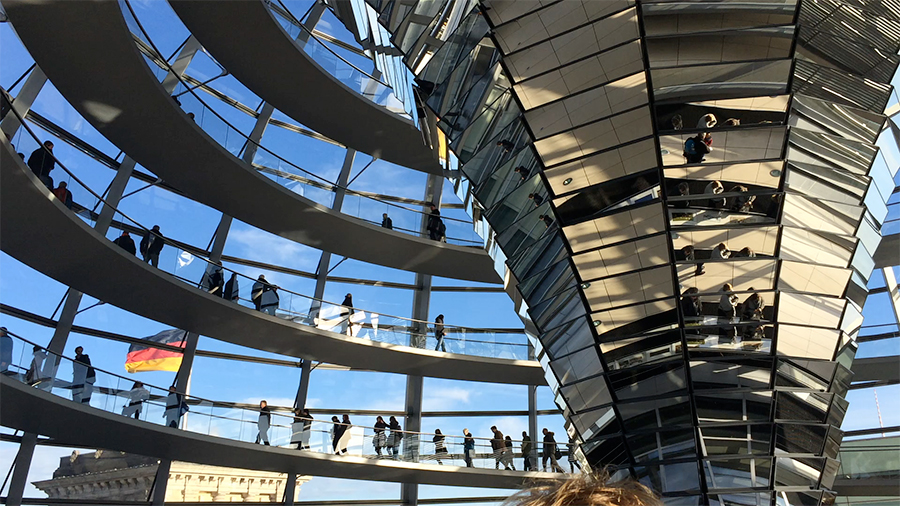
41, 162
690, 255
301, 428
549, 452
63, 194
231, 291
439, 333
175, 407
434, 224
125, 242
83, 377
440, 448
526, 452
6, 350
573, 462
346, 312
136, 397
344, 440
387, 222
395, 438
715, 188
263, 422
336, 432
498, 445
379, 440
508, 454
216, 285
151, 245
468, 447
33, 375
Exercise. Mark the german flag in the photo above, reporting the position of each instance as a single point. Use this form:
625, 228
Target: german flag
149, 358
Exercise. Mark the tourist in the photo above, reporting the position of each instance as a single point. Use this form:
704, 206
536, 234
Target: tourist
508, 454
707, 121
136, 397
63, 194
263, 422
232, 289
6, 350
715, 188
573, 462
498, 445
720, 252
125, 242
744, 253
151, 245
83, 377
395, 438
216, 281
386, 222
440, 449
33, 375
752, 307
344, 440
690, 255
379, 440
538, 200
684, 190
585, 490
264, 296
175, 407
347, 312
549, 452
301, 428
41, 163
695, 148
526, 452
439, 333
468, 447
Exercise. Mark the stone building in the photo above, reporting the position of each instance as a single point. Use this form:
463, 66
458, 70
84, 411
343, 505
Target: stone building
109, 476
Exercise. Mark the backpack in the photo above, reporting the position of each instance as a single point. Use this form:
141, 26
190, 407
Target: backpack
690, 146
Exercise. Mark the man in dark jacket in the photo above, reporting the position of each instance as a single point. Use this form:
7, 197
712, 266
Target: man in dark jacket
434, 224
498, 444
83, 377
151, 245
41, 163
526, 452
387, 222
550, 452
439, 333
125, 242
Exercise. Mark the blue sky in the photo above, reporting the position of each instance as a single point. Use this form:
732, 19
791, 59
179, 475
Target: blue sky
194, 223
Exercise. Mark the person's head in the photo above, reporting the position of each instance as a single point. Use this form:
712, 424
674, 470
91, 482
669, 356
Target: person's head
509, 438
683, 188
393, 419
191, 115
707, 136
306, 412
545, 431
125, 233
542, 217
727, 287
48, 145
585, 490
437, 431
262, 277
79, 350
746, 251
172, 389
3, 331
384, 215
466, 432
493, 428
379, 419
531, 195
524, 434
63, 185
722, 247
335, 419
263, 404
346, 418
441, 316
155, 228
690, 292
36, 348
137, 384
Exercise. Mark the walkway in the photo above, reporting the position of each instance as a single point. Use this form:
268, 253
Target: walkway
248, 41
104, 76
80, 425
94, 265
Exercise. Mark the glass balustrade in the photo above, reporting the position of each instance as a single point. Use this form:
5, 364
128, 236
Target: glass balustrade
186, 265
32, 364
307, 184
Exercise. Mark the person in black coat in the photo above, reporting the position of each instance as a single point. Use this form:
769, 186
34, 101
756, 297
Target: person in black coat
232, 289
434, 224
151, 245
125, 242
216, 282
386, 221
439, 333
346, 312
41, 163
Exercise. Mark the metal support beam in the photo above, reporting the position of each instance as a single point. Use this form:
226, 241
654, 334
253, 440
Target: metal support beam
303, 387
325, 259
290, 488
190, 48
23, 101
20, 471
893, 292
532, 416
315, 14
409, 492
158, 492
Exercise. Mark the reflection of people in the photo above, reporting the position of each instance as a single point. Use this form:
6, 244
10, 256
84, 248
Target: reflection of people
468, 447
216, 281
715, 188
720, 252
707, 121
695, 148
136, 397
690, 255
752, 307
83, 377
585, 490
741, 203
573, 462
690, 303
683, 191
263, 423
726, 311
439, 333
745, 252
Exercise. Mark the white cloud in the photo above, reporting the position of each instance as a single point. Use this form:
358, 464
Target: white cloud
259, 245
443, 399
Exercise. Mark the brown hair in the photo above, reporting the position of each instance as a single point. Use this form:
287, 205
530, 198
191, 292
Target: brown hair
586, 490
